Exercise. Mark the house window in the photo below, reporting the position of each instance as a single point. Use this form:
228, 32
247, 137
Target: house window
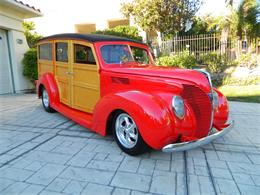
83, 54
62, 52
45, 51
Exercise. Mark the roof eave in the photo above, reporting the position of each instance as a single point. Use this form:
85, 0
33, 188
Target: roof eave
28, 12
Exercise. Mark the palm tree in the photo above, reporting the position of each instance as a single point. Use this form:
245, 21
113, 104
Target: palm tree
229, 3
248, 19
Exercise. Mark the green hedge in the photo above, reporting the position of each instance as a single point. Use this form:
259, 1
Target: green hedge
215, 62
30, 69
182, 60
130, 32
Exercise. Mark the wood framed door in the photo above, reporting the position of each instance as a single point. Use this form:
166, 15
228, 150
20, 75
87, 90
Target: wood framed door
85, 83
62, 70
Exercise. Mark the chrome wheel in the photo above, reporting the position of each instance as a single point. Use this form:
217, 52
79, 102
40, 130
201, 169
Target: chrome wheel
126, 130
45, 98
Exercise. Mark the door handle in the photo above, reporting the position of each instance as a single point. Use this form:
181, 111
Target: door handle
69, 73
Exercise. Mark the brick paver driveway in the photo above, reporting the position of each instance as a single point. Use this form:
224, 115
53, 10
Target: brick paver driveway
49, 154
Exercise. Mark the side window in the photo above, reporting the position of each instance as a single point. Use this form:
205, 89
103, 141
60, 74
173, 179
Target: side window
116, 54
61, 52
83, 54
140, 55
45, 51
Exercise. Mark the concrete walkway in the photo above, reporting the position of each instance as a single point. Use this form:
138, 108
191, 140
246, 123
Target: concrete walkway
43, 153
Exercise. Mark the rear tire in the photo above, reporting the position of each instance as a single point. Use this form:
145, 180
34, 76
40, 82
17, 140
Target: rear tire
127, 135
46, 101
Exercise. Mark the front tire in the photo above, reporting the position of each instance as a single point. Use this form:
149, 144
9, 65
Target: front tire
46, 101
127, 135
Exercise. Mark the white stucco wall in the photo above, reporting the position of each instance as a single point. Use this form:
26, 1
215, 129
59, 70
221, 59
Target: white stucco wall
21, 83
11, 21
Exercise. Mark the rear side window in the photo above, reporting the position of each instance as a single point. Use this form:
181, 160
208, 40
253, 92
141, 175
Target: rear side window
83, 54
61, 52
45, 51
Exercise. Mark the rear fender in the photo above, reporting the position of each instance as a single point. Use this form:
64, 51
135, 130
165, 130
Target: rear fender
47, 80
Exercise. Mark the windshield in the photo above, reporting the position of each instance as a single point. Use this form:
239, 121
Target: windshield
120, 54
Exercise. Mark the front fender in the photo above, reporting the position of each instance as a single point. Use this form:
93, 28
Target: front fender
150, 112
221, 113
48, 81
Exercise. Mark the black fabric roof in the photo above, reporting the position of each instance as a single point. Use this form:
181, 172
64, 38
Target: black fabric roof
89, 37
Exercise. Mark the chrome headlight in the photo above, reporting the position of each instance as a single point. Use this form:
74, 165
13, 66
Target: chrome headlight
178, 106
215, 99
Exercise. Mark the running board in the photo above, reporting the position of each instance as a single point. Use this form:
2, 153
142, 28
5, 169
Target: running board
82, 118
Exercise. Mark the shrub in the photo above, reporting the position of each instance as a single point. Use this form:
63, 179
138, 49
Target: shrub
30, 69
182, 60
252, 80
215, 62
247, 60
130, 32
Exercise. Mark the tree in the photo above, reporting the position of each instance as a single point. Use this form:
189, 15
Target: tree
203, 25
229, 3
32, 37
165, 16
248, 24
130, 32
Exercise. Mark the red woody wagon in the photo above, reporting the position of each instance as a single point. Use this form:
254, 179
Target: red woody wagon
111, 85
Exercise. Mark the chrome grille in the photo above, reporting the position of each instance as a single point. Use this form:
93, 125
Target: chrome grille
201, 105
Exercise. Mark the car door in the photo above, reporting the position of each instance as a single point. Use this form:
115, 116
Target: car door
62, 70
85, 87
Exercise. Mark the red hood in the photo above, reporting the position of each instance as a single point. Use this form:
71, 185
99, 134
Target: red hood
187, 75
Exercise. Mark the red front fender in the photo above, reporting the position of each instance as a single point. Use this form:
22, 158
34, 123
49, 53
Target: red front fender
151, 114
221, 112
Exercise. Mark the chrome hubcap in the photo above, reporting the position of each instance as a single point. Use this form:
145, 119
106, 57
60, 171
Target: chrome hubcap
45, 98
126, 130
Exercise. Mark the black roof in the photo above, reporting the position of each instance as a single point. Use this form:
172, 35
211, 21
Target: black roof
89, 37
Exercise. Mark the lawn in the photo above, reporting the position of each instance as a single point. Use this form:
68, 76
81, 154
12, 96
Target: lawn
250, 93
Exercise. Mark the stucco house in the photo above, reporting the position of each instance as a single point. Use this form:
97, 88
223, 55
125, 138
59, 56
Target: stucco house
13, 45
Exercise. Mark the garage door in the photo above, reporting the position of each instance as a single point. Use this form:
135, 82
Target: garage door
5, 72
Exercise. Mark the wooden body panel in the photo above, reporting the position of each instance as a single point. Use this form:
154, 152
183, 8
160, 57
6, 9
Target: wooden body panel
61, 75
85, 82
78, 84
63, 82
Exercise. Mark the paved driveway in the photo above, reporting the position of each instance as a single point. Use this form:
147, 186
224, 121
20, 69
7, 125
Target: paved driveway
49, 154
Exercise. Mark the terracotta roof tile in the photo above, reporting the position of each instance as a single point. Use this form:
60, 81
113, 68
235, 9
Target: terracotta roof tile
27, 5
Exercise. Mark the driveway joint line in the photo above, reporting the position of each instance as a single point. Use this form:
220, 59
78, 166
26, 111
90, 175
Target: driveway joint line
3, 153
186, 191
233, 178
210, 173
176, 177
20, 155
67, 128
61, 123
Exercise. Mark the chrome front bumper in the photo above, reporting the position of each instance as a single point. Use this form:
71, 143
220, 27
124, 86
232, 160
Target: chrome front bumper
214, 134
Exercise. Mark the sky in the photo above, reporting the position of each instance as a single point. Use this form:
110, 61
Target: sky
60, 16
